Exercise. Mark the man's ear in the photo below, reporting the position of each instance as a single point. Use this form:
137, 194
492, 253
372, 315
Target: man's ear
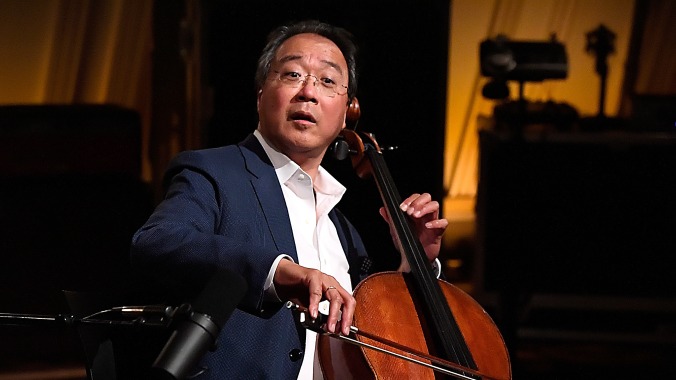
345, 119
258, 100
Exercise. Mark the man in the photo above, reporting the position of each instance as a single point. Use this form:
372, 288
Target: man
265, 209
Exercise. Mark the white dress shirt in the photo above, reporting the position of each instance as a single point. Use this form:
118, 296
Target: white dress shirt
316, 238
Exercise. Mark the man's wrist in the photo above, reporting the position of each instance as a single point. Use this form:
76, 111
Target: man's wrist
269, 287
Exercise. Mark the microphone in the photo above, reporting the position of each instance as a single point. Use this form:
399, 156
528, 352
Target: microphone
198, 333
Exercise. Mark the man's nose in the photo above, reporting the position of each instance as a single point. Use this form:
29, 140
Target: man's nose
310, 79
308, 90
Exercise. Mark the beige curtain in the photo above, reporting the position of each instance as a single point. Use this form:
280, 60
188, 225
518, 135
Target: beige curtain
78, 51
657, 55
101, 53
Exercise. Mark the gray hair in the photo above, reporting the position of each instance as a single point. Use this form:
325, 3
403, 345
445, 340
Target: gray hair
339, 36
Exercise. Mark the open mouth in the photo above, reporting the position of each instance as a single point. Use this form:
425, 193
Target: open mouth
302, 116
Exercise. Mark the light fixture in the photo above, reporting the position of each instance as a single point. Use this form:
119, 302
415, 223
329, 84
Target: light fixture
523, 61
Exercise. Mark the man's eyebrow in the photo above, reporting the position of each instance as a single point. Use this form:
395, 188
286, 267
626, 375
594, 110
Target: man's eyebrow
288, 58
295, 57
334, 65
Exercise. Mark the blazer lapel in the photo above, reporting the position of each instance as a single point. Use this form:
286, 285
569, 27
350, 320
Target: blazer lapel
269, 193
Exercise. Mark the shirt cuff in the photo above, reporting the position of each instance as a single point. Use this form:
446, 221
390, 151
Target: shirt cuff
269, 287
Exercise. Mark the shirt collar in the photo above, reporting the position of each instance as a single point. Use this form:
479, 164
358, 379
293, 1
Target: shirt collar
285, 168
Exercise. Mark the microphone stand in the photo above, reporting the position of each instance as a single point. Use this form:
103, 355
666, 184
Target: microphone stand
9, 319
120, 319
98, 318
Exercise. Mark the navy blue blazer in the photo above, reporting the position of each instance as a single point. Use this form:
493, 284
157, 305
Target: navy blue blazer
224, 208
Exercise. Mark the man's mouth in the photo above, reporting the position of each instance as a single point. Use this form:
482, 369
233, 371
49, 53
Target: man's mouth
302, 116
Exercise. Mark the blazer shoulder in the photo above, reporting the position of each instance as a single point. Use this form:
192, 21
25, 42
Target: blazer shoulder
206, 157
212, 162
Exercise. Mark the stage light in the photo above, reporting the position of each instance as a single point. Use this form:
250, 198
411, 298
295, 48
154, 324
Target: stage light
524, 61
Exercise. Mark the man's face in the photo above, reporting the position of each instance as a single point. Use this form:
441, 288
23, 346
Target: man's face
302, 121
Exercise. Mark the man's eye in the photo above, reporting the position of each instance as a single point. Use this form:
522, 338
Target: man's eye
291, 75
328, 82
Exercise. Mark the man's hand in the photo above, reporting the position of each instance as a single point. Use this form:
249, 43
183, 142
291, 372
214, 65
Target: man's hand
308, 287
425, 214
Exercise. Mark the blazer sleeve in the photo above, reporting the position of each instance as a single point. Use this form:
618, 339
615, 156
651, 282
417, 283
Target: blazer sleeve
206, 222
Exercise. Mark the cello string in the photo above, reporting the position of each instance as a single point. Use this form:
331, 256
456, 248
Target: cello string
451, 349
440, 313
302, 316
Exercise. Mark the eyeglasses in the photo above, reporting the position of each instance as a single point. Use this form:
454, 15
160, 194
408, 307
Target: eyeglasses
327, 86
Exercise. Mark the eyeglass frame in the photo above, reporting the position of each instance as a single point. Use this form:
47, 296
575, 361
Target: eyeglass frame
304, 78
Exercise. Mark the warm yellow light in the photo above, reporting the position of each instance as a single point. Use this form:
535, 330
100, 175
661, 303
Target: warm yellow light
454, 263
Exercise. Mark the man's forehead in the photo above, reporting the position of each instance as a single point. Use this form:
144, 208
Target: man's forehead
300, 46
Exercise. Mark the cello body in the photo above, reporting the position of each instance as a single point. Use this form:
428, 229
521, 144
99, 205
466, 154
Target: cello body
385, 306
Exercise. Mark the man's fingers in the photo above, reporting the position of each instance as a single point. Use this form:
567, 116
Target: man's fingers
341, 308
334, 312
296, 282
313, 302
437, 224
348, 314
384, 214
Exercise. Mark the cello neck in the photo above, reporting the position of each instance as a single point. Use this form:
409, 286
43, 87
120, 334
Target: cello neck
448, 339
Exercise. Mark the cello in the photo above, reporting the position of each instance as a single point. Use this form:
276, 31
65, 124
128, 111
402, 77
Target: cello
406, 325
